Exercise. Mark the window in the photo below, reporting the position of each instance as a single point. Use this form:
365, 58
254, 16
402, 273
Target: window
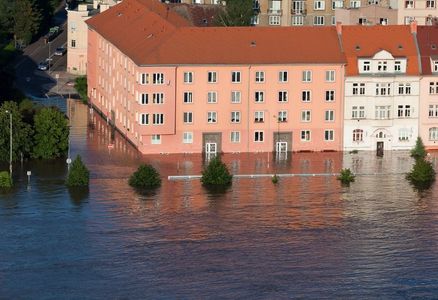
298, 8
144, 119
188, 117
144, 79
409, 20
329, 115
297, 20
157, 78
397, 66
433, 110
282, 96
255, 20
358, 135
319, 5
433, 133
73, 43
187, 137
404, 111
409, 4
383, 21
305, 116
274, 20
188, 77
155, 139
403, 135
337, 4
433, 87
318, 20
235, 77
329, 135
235, 117
260, 76
354, 3
211, 97
235, 137
383, 89
259, 116
307, 76
259, 96
305, 135
235, 97
188, 97
358, 112
383, 112
366, 66
212, 77
158, 98
282, 76
430, 4
158, 119
358, 88
258, 136
211, 117
144, 99
435, 66
404, 88
382, 66
330, 76
282, 116
330, 96
333, 20
306, 96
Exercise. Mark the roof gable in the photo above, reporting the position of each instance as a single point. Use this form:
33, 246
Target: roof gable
383, 54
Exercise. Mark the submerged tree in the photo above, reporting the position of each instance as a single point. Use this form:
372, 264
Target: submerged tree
216, 174
346, 176
419, 151
146, 177
422, 174
78, 176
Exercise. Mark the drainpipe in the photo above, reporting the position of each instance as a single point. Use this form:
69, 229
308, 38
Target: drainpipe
247, 116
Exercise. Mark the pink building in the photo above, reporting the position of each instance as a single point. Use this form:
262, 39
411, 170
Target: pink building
172, 88
427, 37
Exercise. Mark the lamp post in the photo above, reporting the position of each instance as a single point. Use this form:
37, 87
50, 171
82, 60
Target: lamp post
48, 59
10, 143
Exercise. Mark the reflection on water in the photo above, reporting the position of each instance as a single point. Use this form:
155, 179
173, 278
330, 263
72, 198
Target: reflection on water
305, 237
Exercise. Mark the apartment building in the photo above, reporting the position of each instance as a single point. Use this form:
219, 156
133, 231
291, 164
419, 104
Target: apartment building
424, 12
428, 44
382, 87
367, 15
172, 88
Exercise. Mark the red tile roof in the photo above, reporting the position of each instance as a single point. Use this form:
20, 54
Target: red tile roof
365, 41
148, 37
428, 44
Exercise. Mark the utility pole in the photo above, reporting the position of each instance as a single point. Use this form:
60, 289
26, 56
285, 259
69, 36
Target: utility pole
10, 143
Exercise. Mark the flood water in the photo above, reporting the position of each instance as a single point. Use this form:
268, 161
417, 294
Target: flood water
307, 237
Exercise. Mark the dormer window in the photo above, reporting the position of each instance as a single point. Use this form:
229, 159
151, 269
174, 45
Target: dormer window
397, 66
382, 66
366, 67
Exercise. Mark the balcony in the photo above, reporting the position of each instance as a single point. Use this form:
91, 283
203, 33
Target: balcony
274, 11
298, 12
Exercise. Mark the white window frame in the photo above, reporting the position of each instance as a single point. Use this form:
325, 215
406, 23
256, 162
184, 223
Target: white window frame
306, 116
318, 20
158, 78
283, 96
306, 96
144, 99
212, 117
235, 117
143, 119
188, 77
236, 77
283, 76
306, 76
212, 77
156, 139
319, 5
187, 137
212, 97
259, 96
433, 134
329, 135
259, 136
188, 97
158, 98
188, 117
330, 75
235, 136
236, 96
259, 116
305, 135
158, 119
282, 116
259, 76
329, 115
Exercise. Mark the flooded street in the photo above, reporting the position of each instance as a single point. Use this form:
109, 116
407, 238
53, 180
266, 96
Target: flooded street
307, 237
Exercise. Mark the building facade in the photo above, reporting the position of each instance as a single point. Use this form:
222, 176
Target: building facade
382, 87
424, 12
367, 15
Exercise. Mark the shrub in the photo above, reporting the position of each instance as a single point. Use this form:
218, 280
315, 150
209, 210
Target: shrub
274, 179
354, 151
5, 180
78, 176
81, 87
346, 176
216, 174
422, 174
146, 177
419, 151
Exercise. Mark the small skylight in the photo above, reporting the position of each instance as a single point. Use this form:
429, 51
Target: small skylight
253, 43
119, 14
357, 47
433, 46
400, 47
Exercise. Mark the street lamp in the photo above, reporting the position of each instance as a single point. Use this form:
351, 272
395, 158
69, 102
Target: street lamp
10, 143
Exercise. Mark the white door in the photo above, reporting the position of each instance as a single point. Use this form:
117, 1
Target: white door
281, 147
211, 148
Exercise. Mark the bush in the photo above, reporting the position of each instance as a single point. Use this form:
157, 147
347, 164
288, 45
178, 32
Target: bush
419, 151
274, 179
78, 176
81, 87
422, 174
354, 151
146, 177
5, 180
346, 176
216, 174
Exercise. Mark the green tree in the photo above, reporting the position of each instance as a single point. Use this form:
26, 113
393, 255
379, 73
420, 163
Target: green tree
419, 151
21, 133
5, 180
78, 176
81, 87
346, 176
51, 134
237, 13
146, 177
216, 174
26, 20
422, 174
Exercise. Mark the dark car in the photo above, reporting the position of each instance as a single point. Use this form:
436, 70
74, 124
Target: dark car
44, 65
60, 51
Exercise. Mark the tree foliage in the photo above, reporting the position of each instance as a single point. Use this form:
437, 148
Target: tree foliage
237, 13
346, 176
51, 134
146, 177
21, 133
422, 174
78, 176
216, 174
81, 87
419, 151
5, 180
27, 19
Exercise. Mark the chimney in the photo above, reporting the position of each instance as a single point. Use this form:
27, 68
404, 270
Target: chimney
339, 28
413, 26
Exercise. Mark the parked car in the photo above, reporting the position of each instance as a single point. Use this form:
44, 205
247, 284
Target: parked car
60, 51
44, 65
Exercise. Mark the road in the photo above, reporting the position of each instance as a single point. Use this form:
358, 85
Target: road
32, 81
